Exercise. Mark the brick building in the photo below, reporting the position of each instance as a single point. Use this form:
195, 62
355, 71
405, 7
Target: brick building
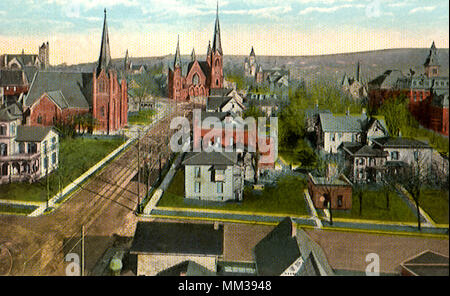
427, 93
337, 191
56, 96
193, 82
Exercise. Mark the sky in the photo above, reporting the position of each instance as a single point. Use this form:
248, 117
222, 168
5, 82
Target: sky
277, 27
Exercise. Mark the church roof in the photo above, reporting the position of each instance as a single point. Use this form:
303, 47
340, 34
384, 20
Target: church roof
252, 52
69, 89
11, 77
177, 60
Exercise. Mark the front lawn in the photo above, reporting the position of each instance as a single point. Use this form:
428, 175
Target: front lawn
142, 117
17, 209
435, 203
374, 207
284, 198
75, 157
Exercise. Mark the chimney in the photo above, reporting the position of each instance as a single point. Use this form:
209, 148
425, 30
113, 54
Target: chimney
293, 229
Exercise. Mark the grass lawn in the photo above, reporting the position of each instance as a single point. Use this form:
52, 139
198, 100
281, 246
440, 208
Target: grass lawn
75, 157
435, 203
18, 209
374, 207
142, 117
284, 198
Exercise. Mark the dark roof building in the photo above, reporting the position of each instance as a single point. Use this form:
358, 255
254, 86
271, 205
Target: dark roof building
287, 250
427, 263
177, 238
210, 158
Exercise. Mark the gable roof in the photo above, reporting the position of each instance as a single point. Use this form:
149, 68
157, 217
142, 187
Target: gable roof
427, 263
74, 87
277, 251
357, 149
400, 142
177, 238
32, 133
220, 91
213, 103
187, 268
210, 158
10, 113
342, 123
388, 80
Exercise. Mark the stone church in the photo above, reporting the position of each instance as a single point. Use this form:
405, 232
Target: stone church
193, 81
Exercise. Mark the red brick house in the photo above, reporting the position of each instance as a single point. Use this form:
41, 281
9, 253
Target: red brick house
192, 82
337, 191
56, 96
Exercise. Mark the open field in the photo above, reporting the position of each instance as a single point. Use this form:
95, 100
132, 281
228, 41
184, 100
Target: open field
142, 117
75, 157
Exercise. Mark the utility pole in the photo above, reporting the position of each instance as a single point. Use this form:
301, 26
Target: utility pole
48, 189
82, 250
139, 172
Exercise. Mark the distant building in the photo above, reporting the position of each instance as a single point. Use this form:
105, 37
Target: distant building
160, 246
354, 85
21, 61
27, 153
427, 93
275, 78
214, 176
193, 82
288, 251
56, 96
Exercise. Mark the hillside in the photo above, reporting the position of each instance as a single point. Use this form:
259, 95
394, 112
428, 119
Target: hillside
373, 63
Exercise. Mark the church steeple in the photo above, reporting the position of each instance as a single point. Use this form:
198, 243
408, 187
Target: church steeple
432, 63
104, 60
217, 45
193, 56
177, 61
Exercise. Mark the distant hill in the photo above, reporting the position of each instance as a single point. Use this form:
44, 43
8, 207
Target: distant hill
333, 66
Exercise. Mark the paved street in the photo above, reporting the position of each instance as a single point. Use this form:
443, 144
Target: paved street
105, 205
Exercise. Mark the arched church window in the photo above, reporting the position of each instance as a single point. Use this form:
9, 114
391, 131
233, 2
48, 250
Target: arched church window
217, 63
195, 79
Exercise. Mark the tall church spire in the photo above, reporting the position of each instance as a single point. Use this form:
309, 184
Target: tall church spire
217, 45
177, 61
105, 55
193, 56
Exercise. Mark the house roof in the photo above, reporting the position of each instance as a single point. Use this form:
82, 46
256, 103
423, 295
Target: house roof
74, 87
387, 80
32, 133
428, 263
342, 123
10, 113
11, 77
400, 142
23, 59
187, 268
177, 238
310, 248
213, 103
358, 149
219, 115
210, 158
277, 251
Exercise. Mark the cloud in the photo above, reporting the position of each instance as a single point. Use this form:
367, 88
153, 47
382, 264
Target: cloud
330, 9
265, 12
422, 9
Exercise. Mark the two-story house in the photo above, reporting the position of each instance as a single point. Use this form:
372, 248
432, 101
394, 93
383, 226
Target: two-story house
332, 130
27, 153
405, 152
215, 176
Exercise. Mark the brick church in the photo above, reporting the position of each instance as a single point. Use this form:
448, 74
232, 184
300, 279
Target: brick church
193, 81
100, 95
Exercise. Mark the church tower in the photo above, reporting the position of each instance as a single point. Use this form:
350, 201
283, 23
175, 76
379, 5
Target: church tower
109, 98
216, 59
44, 56
176, 79
431, 64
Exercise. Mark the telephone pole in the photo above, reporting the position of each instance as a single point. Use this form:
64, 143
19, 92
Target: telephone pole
139, 172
